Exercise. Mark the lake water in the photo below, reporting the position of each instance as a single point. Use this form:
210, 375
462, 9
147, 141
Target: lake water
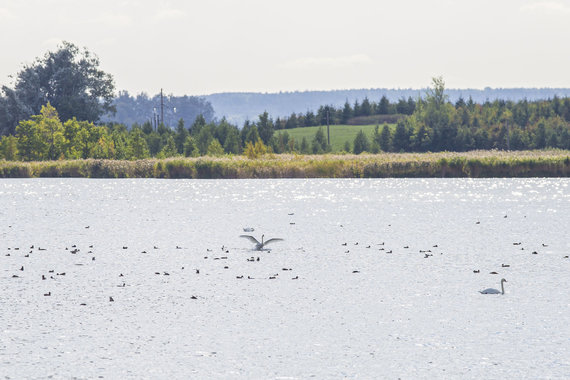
399, 300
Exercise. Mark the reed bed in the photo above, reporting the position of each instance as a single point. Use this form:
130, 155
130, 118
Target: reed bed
475, 164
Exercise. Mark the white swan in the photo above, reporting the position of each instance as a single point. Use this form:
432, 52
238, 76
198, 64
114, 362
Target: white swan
259, 246
495, 291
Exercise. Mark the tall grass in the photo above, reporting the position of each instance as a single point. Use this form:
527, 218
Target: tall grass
550, 163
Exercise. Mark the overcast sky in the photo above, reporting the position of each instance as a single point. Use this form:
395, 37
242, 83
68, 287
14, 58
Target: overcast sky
203, 47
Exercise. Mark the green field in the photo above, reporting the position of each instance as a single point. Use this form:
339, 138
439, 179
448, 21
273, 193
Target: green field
339, 134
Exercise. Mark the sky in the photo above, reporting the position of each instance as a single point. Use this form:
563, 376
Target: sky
204, 47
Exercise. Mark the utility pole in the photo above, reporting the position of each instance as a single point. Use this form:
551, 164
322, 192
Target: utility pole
161, 108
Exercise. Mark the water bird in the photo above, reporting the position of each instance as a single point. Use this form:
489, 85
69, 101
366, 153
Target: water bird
435, 246
476, 271
125, 247
505, 265
47, 294
477, 222
43, 277
194, 297
259, 246
248, 229
343, 244
493, 290
295, 278
22, 268
534, 253
239, 276
291, 213
493, 273
518, 243
544, 245
355, 271
27, 255
197, 271
407, 246
111, 299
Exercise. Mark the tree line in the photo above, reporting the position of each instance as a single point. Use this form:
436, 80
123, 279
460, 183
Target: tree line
438, 125
347, 114
54, 112
46, 137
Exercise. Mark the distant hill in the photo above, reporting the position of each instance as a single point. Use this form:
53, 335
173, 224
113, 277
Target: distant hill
238, 107
142, 108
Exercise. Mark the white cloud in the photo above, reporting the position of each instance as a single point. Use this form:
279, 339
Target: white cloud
6, 15
169, 14
546, 6
114, 20
52, 42
323, 62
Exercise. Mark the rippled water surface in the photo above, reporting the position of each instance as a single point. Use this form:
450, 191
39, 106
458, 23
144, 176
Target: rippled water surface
375, 278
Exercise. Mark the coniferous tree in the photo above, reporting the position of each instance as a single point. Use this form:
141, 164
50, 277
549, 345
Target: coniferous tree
304, 148
346, 113
180, 137
401, 140
361, 143
386, 139
319, 144
384, 106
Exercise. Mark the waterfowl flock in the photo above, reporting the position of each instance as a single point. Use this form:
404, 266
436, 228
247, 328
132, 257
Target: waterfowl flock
227, 255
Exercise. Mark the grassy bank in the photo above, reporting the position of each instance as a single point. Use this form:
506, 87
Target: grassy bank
339, 134
552, 163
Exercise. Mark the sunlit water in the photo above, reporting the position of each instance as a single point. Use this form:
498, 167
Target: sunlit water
354, 310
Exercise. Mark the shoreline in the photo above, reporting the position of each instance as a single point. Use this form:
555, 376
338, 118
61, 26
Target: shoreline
474, 164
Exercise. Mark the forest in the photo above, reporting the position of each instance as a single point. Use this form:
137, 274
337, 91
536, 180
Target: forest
432, 124
57, 111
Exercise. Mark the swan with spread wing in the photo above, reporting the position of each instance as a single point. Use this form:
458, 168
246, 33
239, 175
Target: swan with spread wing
259, 246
